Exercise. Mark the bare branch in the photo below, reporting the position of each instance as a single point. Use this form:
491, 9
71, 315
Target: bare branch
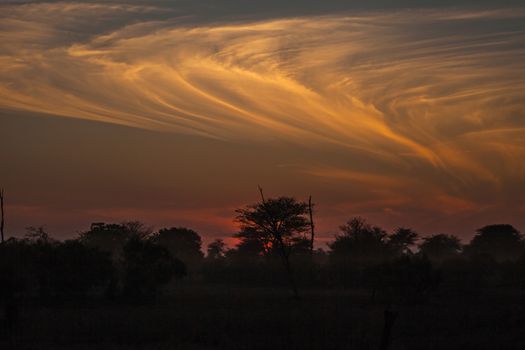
261, 192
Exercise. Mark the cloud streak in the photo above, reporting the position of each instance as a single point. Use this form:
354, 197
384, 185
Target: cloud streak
426, 93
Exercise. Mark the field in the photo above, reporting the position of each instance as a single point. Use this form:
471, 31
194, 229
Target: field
221, 317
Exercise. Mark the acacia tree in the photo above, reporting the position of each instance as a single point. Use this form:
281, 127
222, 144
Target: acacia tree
278, 224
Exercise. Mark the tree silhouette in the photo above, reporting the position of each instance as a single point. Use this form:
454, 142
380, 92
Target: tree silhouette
112, 237
37, 234
440, 247
183, 243
277, 224
401, 241
216, 250
359, 243
70, 268
500, 242
147, 266
249, 248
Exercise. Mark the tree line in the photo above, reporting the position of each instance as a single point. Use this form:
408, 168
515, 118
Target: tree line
274, 248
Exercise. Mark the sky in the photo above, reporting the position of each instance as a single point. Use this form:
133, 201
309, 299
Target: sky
406, 113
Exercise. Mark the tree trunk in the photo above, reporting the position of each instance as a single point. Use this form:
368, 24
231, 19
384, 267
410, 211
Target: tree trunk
291, 277
312, 226
288, 267
390, 317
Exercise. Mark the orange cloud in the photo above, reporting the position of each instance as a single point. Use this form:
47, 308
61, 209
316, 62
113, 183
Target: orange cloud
417, 105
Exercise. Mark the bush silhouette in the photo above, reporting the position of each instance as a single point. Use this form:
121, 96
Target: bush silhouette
146, 267
182, 243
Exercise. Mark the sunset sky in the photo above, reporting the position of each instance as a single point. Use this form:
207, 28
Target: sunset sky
407, 113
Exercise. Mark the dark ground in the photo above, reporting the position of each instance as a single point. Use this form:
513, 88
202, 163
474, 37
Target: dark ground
218, 317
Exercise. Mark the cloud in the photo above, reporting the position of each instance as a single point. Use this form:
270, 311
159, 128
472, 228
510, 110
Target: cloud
420, 93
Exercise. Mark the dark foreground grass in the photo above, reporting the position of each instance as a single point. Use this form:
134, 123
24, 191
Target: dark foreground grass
249, 318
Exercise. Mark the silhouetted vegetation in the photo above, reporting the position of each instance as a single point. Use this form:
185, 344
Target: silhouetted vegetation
146, 266
277, 227
183, 243
498, 242
439, 248
369, 289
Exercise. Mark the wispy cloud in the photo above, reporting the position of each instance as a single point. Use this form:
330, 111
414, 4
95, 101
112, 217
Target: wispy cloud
432, 94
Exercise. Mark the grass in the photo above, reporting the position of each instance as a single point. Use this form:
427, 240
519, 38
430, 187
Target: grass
219, 317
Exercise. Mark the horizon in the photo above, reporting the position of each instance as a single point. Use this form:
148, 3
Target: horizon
231, 241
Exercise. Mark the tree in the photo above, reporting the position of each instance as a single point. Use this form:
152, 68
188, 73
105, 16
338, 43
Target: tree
37, 234
147, 266
277, 224
71, 268
359, 243
440, 247
216, 249
401, 241
112, 237
16, 268
501, 242
249, 247
183, 243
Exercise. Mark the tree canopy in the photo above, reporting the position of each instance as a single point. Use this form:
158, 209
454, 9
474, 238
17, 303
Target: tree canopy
278, 224
440, 247
359, 242
183, 243
500, 242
